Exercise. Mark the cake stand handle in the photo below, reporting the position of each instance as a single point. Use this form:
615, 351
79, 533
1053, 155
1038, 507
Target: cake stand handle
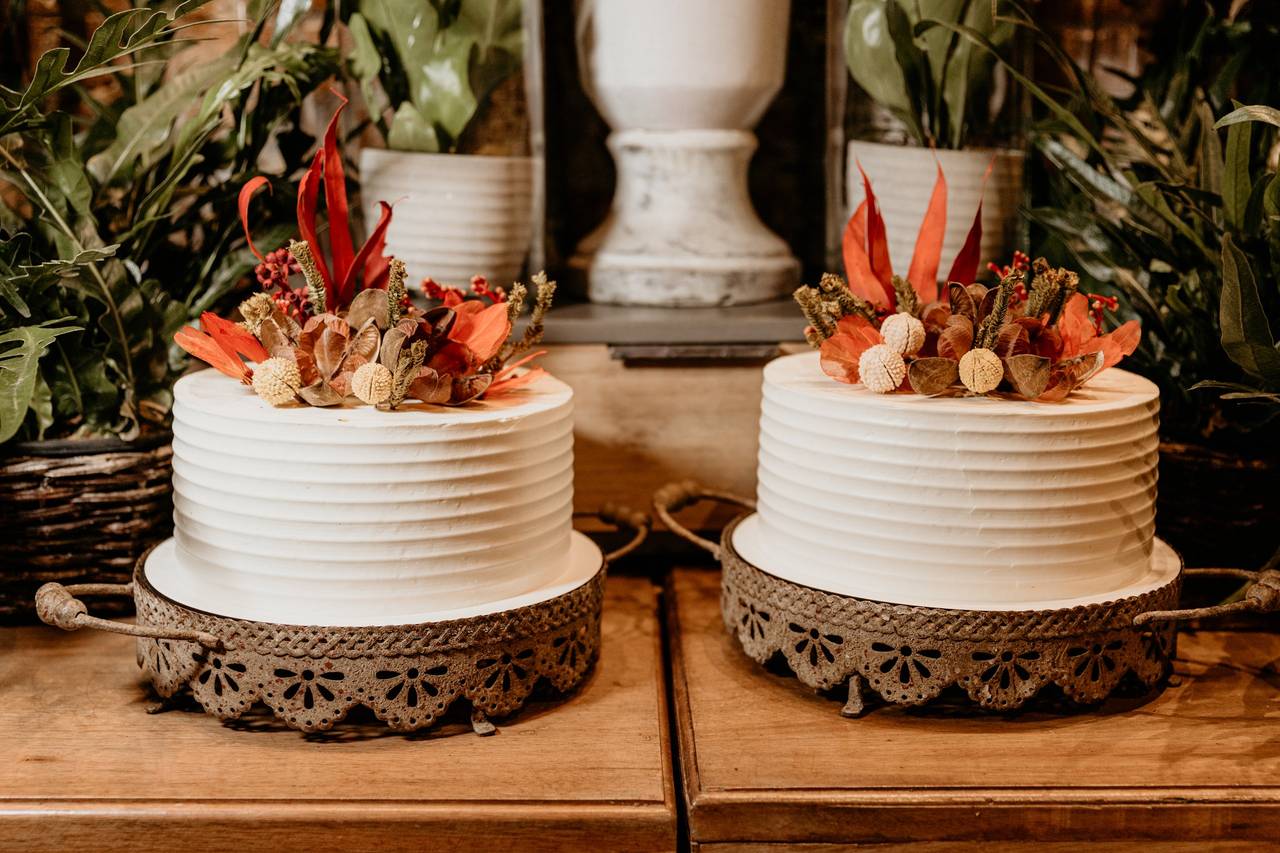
625, 518
58, 605
1262, 595
674, 497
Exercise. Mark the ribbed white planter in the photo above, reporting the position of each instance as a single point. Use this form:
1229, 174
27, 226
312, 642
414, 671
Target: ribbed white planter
456, 215
903, 177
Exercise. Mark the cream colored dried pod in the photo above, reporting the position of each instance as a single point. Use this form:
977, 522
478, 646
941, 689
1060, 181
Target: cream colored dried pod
881, 368
277, 381
981, 370
903, 332
372, 383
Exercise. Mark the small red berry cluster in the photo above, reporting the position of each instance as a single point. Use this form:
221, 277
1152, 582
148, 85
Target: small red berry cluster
1098, 306
273, 274
451, 296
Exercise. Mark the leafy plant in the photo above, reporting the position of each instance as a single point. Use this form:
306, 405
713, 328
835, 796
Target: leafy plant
938, 84
1149, 198
425, 68
114, 221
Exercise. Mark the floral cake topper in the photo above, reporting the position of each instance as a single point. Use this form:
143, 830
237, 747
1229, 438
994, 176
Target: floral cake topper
1033, 336
325, 341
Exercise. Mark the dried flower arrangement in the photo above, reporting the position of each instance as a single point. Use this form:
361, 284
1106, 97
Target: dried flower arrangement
1033, 336
323, 342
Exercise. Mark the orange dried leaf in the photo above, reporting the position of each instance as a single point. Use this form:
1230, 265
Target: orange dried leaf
1115, 345
923, 273
839, 356
205, 348
857, 264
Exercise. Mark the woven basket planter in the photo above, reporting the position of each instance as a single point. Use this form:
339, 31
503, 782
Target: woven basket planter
79, 512
1216, 508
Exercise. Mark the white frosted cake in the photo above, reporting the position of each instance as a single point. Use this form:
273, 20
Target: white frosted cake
353, 516
964, 502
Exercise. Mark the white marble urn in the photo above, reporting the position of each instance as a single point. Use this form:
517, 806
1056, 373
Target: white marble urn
681, 83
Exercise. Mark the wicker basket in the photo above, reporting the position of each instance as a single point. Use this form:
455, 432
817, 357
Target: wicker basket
1216, 508
79, 511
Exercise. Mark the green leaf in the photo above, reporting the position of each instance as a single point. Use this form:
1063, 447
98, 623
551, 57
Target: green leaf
1246, 334
872, 59
410, 131
120, 35
1236, 183
20, 353
1257, 112
144, 130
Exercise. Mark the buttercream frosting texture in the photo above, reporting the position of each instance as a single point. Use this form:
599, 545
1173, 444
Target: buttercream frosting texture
345, 515
960, 502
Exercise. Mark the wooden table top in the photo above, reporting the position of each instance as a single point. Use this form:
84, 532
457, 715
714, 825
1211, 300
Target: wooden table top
82, 766
764, 759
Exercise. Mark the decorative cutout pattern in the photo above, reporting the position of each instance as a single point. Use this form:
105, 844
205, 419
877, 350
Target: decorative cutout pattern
408, 675
909, 655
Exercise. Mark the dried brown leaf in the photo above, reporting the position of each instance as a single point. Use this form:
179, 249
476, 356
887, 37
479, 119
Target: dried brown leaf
320, 394
962, 303
369, 304
935, 316
431, 387
932, 376
1011, 340
467, 388
1029, 374
957, 338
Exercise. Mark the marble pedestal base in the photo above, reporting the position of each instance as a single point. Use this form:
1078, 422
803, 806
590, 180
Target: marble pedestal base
682, 230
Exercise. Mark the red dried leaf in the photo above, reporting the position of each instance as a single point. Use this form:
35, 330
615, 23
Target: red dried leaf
372, 260
840, 353
337, 208
857, 265
308, 201
923, 273
247, 192
1115, 345
505, 386
205, 348
482, 332
233, 338
877, 238
1075, 326
965, 267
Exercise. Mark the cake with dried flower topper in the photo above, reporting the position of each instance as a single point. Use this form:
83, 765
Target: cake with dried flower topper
971, 448
353, 460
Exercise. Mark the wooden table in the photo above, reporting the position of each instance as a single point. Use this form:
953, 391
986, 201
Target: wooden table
769, 765
83, 767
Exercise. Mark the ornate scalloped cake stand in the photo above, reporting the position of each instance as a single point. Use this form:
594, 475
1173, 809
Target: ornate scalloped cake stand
907, 655
310, 677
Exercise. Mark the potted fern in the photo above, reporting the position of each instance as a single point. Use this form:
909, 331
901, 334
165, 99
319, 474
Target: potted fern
443, 85
116, 227
1170, 196
938, 101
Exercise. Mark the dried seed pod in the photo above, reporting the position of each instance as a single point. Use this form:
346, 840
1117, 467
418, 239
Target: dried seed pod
881, 368
277, 381
981, 370
372, 383
903, 332
255, 310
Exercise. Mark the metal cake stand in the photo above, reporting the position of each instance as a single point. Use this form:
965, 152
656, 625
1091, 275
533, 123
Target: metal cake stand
907, 655
311, 677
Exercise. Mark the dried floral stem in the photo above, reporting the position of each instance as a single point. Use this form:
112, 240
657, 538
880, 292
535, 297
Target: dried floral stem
406, 371
544, 293
846, 301
396, 274
315, 282
515, 301
989, 329
1050, 290
821, 326
907, 300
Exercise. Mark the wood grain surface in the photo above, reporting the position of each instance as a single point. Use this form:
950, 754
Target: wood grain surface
84, 767
766, 761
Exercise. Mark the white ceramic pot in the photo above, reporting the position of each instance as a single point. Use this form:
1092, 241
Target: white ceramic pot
681, 82
903, 177
455, 215
682, 64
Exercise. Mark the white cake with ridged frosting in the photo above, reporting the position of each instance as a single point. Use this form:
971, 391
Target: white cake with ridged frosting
963, 502
353, 516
